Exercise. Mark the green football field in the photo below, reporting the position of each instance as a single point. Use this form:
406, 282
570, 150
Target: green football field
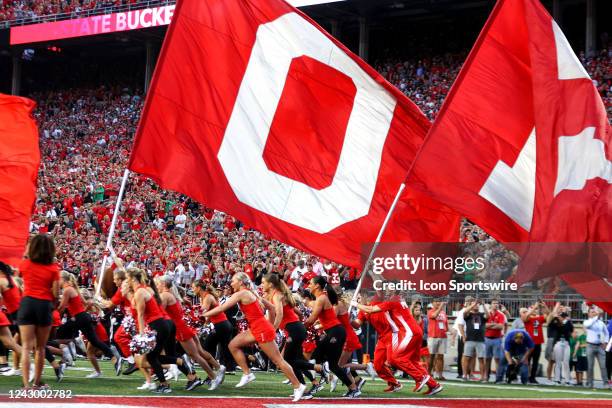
270, 385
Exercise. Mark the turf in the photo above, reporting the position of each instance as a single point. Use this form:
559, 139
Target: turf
270, 385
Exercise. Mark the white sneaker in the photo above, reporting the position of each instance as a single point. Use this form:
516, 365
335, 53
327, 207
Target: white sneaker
422, 384
214, 384
221, 373
67, 356
12, 372
147, 386
286, 382
32, 373
174, 372
371, 371
94, 374
72, 349
245, 379
298, 392
333, 384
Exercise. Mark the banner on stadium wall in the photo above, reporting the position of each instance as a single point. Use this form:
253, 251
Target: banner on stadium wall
107, 23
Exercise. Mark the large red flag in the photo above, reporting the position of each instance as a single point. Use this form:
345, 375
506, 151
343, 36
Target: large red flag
19, 161
522, 144
256, 111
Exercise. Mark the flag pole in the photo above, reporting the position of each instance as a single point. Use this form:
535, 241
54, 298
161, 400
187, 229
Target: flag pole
111, 231
366, 267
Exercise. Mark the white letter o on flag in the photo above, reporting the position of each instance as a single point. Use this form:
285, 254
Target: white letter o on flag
241, 153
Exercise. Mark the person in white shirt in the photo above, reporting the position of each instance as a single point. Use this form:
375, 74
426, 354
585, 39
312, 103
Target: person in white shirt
296, 275
458, 331
180, 221
597, 340
179, 271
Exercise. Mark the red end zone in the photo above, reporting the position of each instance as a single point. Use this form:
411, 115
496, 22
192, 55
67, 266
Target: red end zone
188, 402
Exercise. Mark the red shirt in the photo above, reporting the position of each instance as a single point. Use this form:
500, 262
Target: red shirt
38, 279
534, 326
437, 327
378, 321
495, 317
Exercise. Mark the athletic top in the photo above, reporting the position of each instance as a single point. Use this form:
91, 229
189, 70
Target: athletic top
175, 312
38, 279
252, 312
289, 315
378, 321
11, 298
261, 329
75, 305
119, 300
328, 318
56, 318
220, 318
152, 310
400, 319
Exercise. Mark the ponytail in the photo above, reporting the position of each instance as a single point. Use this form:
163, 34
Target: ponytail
169, 284
8, 271
281, 286
207, 288
331, 293
141, 277
246, 281
72, 281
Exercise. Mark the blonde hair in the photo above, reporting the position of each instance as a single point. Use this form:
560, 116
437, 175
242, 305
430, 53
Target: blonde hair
169, 284
207, 288
246, 281
280, 285
138, 275
72, 281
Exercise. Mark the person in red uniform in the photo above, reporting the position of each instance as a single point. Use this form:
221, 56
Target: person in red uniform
222, 335
146, 302
10, 296
534, 319
41, 284
260, 331
282, 301
330, 348
403, 352
73, 301
380, 323
186, 336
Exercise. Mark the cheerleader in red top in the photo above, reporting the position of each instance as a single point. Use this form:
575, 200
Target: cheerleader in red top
351, 345
93, 353
222, 335
185, 335
74, 302
260, 331
282, 301
10, 296
330, 348
146, 302
41, 287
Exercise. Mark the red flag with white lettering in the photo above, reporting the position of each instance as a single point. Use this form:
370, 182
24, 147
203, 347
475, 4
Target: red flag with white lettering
256, 111
522, 144
19, 160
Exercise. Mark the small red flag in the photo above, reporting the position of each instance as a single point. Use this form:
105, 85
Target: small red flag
19, 161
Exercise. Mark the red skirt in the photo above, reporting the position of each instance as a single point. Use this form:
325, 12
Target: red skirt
262, 330
352, 342
184, 332
4, 321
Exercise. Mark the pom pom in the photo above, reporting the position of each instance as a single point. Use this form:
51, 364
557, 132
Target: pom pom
143, 343
129, 325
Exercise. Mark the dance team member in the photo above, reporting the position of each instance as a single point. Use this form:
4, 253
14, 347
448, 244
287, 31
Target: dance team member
186, 336
330, 348
146, 302
10, 297
72, 300
260, 331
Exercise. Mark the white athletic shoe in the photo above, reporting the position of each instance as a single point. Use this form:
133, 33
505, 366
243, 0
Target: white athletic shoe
371, 371
12, 372
333, 384
147, 386
94, 374
286, 382
174, 372
32, 373
422, 384
298, 392
67, 356
245, 379
221, 373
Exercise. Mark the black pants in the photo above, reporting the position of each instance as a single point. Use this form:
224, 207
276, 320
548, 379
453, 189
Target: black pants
330, 349
294, 353
609, 364
534, 360
86, 326
460, 345
164, 341
221, 337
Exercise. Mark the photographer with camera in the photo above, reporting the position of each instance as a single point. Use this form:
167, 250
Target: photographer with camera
514, 359
534, 319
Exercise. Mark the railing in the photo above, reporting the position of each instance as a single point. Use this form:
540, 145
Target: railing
85, 13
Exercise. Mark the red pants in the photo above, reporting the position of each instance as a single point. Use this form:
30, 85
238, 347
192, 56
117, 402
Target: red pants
380, 358
408, 360
122, 339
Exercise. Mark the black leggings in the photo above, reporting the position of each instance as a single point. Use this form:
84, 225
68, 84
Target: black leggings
164, 340
534, 359
609, 363
86, 326
294, 353
222, 336
330, 349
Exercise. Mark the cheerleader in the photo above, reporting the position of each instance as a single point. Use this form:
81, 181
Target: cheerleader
146, 302
285, 318
10, 296
186, 336
260, 331
74, 302
92, 352
41, 279
222, 335
352, 344
330, 348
